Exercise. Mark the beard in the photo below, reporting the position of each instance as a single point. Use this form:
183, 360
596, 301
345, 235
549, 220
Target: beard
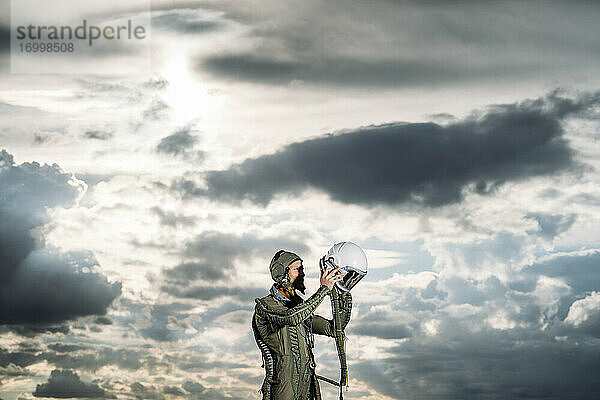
299, 284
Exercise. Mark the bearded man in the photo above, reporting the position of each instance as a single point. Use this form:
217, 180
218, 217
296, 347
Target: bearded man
283, 325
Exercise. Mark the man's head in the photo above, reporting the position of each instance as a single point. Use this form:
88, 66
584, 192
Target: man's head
287, 267
295, 270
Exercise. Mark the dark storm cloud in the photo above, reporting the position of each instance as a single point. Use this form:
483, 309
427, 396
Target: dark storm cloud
212, 255
34, 330
407, 43
67, 384
181, 144
353, 72
18, 358
418, 163
64, 289
489, 365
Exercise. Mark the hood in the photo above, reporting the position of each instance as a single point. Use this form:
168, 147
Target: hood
281, 260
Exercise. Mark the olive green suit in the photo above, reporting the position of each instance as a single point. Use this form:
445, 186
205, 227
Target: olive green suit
284, 328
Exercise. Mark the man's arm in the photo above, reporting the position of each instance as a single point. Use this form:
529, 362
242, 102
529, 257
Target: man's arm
345, 307
294, 315
323, 326
265, 332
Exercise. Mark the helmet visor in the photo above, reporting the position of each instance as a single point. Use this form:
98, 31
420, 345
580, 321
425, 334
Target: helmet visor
350, 279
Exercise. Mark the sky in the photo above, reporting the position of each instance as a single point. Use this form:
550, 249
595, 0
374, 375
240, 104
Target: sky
455, 141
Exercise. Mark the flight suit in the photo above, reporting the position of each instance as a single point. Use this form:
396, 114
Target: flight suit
285, 330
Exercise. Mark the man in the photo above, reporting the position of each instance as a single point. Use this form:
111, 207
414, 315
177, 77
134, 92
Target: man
283, 325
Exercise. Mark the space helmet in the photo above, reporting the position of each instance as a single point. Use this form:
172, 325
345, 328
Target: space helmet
352, 261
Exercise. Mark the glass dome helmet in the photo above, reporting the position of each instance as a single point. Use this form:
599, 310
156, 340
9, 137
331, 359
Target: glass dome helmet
352, 261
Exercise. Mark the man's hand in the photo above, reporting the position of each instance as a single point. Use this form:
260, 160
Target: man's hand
330, 276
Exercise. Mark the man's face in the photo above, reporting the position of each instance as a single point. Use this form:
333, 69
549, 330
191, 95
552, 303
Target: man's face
295, 269
296, 274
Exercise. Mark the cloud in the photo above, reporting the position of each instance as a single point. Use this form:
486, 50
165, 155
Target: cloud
198, 391
14, 370
94, 357
484, 365
156, 111
128, 92
169, 218
349, 71
173, 391
142, 392
417, 163
412, 44
186, 21
386, 321
166, 322
65, 348
584, 314
181, 144
67, 285
99, 135
34, 330
212, 255
62, 291
18, 358
102, 320
243, 294
581, 310
578, 270
66, 384
383, 330
552, 225
196, 270
532, 334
